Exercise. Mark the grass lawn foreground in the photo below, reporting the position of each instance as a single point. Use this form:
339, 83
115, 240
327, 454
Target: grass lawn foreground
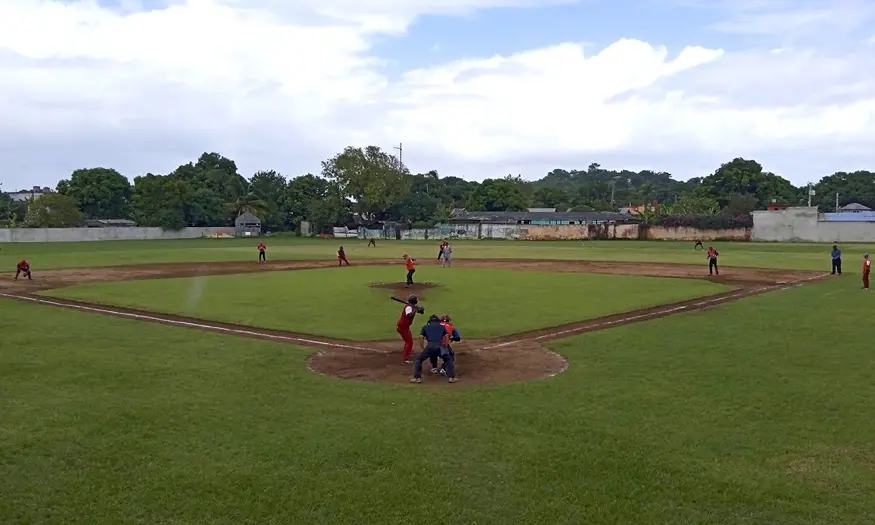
755, 412
339, 302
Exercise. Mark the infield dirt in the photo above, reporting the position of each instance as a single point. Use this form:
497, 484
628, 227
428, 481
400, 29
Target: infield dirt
516, 357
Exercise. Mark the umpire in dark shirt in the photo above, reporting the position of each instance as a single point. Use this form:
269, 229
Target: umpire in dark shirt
433, 340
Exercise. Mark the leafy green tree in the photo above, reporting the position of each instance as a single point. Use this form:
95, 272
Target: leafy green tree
160, 200
544, 197
740, 205
695, 205
246, 198
498, 195
101, 193
54, 210
857, 186
332, 210
374, 179
296, 202
270, 186
746, 177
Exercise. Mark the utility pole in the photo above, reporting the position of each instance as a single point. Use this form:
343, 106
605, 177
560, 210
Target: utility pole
837, 202
400, 148
810, 193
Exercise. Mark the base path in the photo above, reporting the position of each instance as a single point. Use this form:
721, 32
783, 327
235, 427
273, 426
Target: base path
515, 357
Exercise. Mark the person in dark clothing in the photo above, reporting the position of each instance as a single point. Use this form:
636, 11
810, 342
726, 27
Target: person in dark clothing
433, 339
372, 242
712, 261
698, 245
836, 260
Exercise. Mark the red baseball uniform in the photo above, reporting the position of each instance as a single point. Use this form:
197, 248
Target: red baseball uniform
404, 324
23, 267
867, 267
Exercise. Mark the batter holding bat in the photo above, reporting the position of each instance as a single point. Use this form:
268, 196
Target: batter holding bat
405, 321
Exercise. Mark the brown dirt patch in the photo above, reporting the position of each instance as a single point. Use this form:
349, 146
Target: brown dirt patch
516, 357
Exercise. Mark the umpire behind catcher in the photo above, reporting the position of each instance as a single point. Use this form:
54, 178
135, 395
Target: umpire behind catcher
433, 340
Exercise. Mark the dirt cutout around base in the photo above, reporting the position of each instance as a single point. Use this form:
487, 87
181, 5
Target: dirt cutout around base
517, 357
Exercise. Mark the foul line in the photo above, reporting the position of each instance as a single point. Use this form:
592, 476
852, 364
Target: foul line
659, 313
188, 324
301, 340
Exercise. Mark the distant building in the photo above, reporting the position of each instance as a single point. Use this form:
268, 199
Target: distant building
854, 207
247, 224
777, 207
542, 210
638, 208
31, 194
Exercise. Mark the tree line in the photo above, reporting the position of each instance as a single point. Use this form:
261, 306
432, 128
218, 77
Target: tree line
371, 185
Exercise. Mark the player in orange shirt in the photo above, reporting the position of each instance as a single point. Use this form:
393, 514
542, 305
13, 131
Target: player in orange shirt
411, 268
23, 267
262, 253
341, 257
867, 266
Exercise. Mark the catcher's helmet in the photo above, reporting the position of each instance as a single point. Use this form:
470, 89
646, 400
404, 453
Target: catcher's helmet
412, 299
433, 319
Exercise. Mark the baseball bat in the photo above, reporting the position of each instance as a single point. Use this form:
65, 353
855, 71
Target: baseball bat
418, 308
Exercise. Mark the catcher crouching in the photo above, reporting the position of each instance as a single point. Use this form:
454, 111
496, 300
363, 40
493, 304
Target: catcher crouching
433, 340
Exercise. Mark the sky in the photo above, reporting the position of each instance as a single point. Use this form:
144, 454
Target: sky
471, 88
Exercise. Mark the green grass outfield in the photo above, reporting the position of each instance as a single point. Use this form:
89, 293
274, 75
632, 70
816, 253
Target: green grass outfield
108, 253
757, 412
338, 302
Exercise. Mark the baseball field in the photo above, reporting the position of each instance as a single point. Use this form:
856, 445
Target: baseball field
614, 382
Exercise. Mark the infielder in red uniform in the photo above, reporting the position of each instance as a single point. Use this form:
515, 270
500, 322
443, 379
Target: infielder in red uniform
405, 322
262, 253
867, 266
341, 257
23, 268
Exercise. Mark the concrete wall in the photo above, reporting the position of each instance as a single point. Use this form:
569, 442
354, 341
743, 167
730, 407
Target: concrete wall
559, 232
658, 233
105, 234
802, 224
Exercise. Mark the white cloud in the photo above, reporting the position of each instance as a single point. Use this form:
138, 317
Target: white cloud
282, 85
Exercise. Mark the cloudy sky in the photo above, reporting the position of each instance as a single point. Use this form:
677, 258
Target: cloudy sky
473, 88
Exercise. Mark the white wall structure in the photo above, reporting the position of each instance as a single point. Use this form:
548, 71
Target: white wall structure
105, 234
803, 224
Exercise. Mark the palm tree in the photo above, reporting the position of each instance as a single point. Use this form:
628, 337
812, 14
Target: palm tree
248, 199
